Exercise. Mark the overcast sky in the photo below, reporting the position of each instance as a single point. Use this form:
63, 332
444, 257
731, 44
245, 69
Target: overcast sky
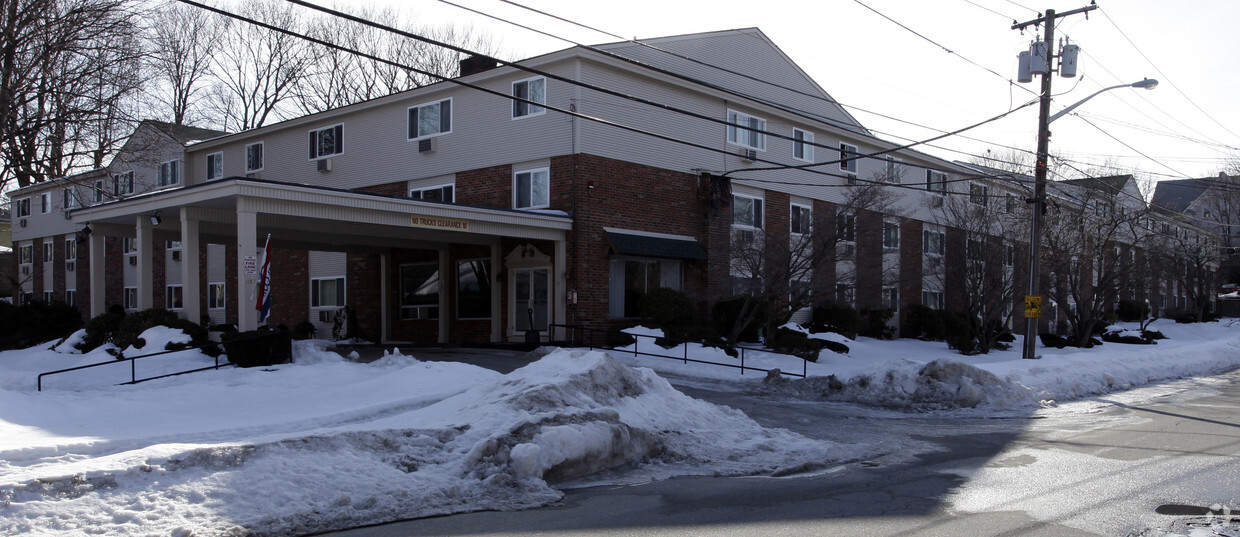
1187, 127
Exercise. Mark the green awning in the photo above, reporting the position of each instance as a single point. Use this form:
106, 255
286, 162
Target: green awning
655, 245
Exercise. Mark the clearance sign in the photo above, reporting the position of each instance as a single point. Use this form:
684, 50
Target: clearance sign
435, 222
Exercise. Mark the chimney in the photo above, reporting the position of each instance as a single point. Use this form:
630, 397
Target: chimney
477, 64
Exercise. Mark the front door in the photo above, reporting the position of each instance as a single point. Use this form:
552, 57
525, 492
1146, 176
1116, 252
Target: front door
531, 298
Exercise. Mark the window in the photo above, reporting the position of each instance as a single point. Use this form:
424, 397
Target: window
215, 166
632, 279
70, 249
419, 291
473, 289
326, 142
801, 145
98, 190
174, 250
845, 293
531, 189
848, 161
435, 193
534, 89
891, 298
746, 130
801, 218
175, 299
747, 212
891, 235
936, 181
933, 242
892, 171
25, 254
49, 252
215, 295
169, 173
71, 297
130, 245
800, 293
254, 157
21, 207
131, 298
47, 297
70, 200
974, 250
45, 203
846, 227
977, 194
430, 119
327, 292
1009, 255
1012, 203
932, 299
122, 183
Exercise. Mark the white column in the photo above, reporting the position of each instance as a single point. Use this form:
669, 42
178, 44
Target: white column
146, 262
247, 245
191, 284
561, 288
98, 275
497, 304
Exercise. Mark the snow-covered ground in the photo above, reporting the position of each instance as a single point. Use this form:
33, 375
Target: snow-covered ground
325, 443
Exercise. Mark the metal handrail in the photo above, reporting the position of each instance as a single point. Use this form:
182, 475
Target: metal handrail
685, 358
133, 369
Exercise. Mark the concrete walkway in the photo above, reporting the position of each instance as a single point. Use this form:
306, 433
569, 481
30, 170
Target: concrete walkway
496, 359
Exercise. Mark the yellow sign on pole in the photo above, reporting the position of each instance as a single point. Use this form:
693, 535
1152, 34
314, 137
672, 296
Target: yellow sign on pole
1033, 307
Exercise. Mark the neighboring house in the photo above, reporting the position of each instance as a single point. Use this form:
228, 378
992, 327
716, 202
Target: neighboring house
506, 200
1210, 203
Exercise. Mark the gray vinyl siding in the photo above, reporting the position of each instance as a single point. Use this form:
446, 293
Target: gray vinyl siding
217, 272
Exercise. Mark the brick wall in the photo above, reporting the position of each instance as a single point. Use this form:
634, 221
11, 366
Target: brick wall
114, 263
911, 261
290, 288
364, 286
869, 259
399, 188
488, 187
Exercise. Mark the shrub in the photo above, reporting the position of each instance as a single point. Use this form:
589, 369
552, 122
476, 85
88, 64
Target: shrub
1131, 311
1153, 335
724, 315
36, 322
839, 318
258, 347
304, 330
874, 323
958, 332
124, 330
666, 308
1114, 337
797, 343
1053, 341
923, 323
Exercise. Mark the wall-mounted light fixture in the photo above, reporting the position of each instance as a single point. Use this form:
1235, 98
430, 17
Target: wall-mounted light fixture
155, 220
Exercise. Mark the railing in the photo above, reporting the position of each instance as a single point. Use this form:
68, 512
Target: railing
574, 336
133, 368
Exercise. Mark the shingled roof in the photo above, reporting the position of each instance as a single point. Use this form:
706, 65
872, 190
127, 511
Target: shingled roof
185, 134
1175, 196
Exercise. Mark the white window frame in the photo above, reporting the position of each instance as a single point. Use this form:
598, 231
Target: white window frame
216, 290
21, 207
25, 253
532, 174
420, 193
890, 298
802, 214
71, 297
414, 113
936, 181
316, 292
70, 250
99, 195
130, 298
45, 203
171, 292
979, 194
215, 166
848, 161
846, 227
940, 245
122, 183
250, 157
891, 243
70, 200
893, 169
739, 133
932, 295
802, 142
49, 251
170, 173
522, 109
316, 137
755, 217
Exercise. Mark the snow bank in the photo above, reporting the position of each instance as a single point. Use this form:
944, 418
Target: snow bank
497, 442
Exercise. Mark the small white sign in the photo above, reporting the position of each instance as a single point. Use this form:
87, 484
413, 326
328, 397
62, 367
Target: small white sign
250, 266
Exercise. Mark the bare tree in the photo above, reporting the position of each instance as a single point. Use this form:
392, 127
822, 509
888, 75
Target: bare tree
69, 71
256, 70
182, 42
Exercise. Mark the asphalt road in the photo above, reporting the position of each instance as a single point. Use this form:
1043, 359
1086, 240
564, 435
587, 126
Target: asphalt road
1112, 466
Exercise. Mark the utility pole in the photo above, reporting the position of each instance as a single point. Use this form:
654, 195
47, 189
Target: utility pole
1033, 300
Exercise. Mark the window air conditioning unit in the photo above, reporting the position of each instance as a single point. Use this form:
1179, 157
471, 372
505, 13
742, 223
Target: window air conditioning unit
428, 145
325, 316
133, 260
70, 266
936, 202
324, 165
25, 270
22, 222
748, 155
176, 255
847, 249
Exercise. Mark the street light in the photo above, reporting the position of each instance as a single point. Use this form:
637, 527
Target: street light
1039, 198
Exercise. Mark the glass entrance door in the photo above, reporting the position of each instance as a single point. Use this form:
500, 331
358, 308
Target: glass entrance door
531, 293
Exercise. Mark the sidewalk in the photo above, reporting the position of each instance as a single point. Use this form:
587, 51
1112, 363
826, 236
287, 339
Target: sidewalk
501, 360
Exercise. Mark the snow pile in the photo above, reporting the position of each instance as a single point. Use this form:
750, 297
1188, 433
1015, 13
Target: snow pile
323, 444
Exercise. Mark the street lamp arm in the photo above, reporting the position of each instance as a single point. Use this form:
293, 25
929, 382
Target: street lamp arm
1148, 83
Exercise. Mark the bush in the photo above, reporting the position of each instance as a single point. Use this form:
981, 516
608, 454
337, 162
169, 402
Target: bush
666, 308
304, 330
1114, 337
724, 315
1153, 335
958, 332
923, 323
1053, 341
258, 347
797, 343
874, 323
1132, 311
839, 318
36, 322
124, 330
